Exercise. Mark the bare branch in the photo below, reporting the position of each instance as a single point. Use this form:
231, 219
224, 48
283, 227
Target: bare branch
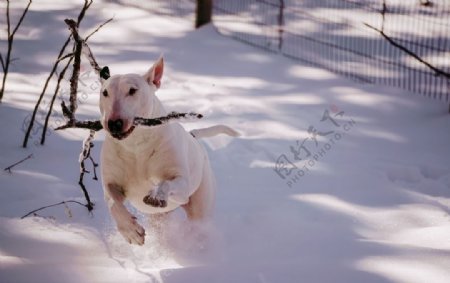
41, 96
76, 68
52, 205
94, 64
87, 4
437, 71
90, 125
52, 72
52, 102
6, 62
8, 169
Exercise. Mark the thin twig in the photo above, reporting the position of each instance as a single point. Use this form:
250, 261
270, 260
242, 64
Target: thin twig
90, 56
97, 29
21, 18
8, 169
69, 55
8, 20
3, 63
6, 62
52, 205
52, 102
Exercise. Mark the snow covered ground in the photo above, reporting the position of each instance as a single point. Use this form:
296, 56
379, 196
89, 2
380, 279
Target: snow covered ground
368, 201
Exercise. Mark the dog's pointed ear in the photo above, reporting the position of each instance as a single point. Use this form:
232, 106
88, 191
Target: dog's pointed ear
154, 75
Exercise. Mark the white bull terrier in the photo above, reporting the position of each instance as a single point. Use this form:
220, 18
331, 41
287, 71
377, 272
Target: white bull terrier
156, 169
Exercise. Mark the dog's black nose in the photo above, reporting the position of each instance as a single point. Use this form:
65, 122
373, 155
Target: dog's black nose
115, 126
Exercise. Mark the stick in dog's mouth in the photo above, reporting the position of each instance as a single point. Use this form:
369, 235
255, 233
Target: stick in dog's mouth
139, 121
150, 122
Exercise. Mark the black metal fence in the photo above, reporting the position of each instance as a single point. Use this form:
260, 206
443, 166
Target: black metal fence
371, 41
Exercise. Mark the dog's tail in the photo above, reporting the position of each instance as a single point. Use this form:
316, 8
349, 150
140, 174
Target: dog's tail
214, 131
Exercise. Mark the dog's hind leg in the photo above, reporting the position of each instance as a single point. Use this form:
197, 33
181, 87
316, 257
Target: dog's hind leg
201, 202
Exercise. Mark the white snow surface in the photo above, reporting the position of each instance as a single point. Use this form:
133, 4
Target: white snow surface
371, 206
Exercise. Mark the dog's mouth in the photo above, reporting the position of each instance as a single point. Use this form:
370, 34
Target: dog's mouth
121, 136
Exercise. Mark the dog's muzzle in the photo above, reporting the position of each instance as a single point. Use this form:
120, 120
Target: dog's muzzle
115, 128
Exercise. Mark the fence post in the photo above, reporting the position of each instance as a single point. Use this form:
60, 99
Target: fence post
204, 11
280, 25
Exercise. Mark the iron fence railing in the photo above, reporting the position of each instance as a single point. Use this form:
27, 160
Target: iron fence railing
343, 36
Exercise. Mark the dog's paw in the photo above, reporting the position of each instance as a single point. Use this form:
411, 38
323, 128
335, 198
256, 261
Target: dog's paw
132, 231
156, 198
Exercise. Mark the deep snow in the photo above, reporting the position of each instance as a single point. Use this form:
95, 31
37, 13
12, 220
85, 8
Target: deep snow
371, 206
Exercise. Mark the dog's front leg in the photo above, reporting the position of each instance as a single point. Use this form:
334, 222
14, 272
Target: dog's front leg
176, 190
126, 222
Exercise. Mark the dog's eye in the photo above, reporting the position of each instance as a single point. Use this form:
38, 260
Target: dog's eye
132, 91
105, 93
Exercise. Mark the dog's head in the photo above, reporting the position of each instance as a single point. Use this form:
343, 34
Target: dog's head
124, 97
